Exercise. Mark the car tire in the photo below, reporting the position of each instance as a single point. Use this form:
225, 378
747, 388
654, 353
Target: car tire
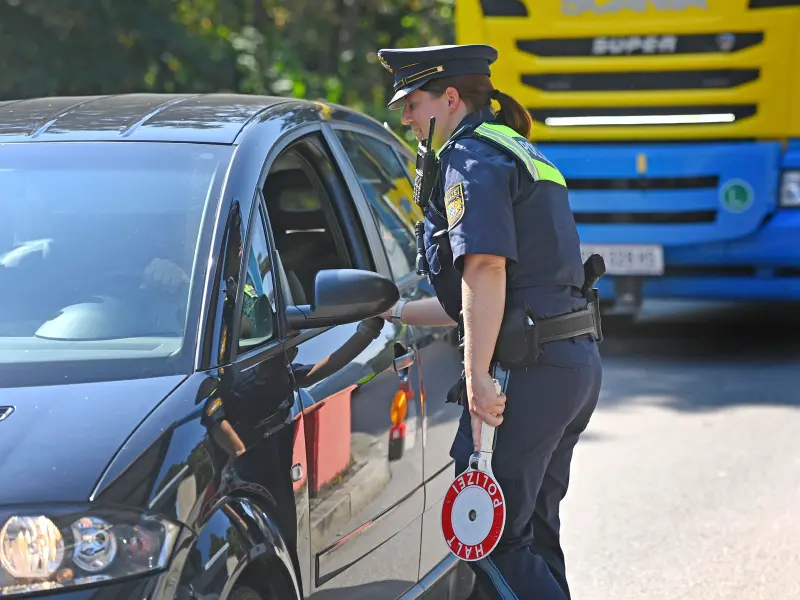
242, 592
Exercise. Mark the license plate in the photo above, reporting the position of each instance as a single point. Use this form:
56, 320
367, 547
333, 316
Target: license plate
623, 259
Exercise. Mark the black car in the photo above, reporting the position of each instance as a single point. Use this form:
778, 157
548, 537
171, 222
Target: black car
197, 399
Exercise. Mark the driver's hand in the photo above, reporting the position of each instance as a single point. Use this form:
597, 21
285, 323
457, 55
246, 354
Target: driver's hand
164, 274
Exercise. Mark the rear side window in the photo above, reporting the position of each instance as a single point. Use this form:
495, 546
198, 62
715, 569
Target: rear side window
387, 186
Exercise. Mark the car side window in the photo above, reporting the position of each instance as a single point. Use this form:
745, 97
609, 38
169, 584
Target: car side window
258, 310
388, 189
307, 234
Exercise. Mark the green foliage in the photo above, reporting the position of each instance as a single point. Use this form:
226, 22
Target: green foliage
318, 49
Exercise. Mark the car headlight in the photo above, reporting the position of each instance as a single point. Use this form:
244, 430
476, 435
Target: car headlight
47, 550
790, 189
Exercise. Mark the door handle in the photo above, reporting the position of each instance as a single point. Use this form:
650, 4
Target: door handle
404, 361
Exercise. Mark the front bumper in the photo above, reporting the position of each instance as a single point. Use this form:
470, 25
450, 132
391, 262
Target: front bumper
134, 589
762, 266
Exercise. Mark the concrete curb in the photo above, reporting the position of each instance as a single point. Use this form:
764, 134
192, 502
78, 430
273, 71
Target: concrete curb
367, 482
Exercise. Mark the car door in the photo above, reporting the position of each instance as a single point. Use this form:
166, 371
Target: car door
354, 383
251, 414
383, 167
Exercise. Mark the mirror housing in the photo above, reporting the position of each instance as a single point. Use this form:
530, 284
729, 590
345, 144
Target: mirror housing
344, 296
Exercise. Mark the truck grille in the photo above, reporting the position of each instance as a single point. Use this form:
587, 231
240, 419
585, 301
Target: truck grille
641, 45
646, 218
667, 193
641, 80
644, 183
616, 71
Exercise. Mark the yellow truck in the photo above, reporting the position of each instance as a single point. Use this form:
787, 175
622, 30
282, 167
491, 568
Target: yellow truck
677, 126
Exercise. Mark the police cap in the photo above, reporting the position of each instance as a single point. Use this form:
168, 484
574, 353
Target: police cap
414, 67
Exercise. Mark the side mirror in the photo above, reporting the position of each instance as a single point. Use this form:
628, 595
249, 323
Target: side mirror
344, 296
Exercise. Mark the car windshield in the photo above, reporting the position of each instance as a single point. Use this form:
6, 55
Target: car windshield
98, 248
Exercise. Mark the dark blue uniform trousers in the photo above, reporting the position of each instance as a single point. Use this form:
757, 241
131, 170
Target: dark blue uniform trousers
549, 404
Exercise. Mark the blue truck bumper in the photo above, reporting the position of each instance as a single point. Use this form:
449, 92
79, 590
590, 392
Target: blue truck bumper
762, 266
710, 210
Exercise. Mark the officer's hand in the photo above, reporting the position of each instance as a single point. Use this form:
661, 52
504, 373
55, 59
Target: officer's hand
485, 405
163, 273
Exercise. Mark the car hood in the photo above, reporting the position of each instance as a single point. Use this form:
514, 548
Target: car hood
59, 439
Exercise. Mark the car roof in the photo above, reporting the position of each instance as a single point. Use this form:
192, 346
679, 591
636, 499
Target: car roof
204, 118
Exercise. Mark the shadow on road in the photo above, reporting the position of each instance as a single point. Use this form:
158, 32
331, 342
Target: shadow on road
708, 332
704, 357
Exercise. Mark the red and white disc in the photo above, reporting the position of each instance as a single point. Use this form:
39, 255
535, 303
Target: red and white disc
473, 515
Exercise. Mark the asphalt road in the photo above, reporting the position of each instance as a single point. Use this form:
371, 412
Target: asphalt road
687, 483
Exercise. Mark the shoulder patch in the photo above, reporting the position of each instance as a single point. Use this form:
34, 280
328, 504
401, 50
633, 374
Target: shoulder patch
214, 407
454, 205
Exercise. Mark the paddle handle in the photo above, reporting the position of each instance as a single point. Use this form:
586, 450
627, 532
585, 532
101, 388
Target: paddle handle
488, 431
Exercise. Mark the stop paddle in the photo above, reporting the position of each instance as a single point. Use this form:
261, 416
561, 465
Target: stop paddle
474, 508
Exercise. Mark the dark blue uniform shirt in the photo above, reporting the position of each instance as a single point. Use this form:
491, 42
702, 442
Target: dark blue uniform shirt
487, 203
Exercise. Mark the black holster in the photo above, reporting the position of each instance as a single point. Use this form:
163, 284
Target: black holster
519, 342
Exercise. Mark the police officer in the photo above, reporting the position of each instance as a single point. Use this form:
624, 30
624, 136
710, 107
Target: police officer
501, 250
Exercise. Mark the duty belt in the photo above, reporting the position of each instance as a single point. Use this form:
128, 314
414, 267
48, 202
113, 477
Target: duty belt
582, 322
521, 336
